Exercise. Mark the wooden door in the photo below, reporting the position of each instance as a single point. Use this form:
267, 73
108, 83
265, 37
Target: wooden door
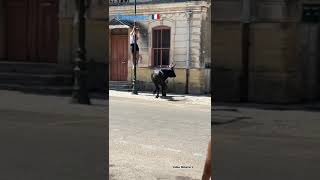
47, 30
119, 58
17, 29
32, 30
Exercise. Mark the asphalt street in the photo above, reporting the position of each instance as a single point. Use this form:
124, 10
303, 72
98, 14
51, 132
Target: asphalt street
47, 138
266, 144
157, 140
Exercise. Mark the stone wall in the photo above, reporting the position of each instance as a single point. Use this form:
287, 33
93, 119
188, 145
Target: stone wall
197, 81
206, 36
96, 32
96, 39
67, 32
97, 43
226, 54
275, 63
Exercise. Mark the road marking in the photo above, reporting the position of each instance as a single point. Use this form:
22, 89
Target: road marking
198, 154
174, 150
148, 146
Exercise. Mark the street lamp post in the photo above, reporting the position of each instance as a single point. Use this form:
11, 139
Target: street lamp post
134, 82
80, 92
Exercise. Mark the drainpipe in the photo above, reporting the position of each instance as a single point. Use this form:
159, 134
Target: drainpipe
189, 14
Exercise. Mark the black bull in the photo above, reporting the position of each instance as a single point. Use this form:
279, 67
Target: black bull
159, 77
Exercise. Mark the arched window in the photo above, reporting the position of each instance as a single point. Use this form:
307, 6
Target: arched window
161, 46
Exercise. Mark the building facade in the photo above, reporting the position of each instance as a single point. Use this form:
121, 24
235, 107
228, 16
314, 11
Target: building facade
266, 51
45, 32
181, 36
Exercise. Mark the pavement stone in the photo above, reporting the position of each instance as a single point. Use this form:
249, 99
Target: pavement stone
188, 99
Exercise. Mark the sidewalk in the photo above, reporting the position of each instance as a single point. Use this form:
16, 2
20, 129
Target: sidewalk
14, 100
182, 98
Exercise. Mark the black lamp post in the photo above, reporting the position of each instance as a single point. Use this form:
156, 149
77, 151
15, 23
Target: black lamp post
134, 82
80, 91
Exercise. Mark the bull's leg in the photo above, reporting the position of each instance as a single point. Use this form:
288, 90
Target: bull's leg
155, 85
157, 90
163, 88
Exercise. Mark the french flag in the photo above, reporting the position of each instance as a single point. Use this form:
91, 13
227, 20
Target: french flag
156, 16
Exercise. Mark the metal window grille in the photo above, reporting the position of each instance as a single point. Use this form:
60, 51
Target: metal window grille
161, 46
311, 13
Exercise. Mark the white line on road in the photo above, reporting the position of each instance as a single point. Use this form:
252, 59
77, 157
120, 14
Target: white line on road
148, 146
174, 150
198, 154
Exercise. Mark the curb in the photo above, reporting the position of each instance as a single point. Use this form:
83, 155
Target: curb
175, 98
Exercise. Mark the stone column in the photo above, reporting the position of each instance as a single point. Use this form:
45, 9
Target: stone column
66, 43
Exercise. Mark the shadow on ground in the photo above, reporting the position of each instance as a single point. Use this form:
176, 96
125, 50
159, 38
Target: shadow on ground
311, 107
233, 120
171, 98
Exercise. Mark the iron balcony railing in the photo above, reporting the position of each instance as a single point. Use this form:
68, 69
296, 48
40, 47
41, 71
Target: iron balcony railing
131, 2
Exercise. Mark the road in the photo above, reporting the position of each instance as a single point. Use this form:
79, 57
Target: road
160, 140
266, 144
47, 138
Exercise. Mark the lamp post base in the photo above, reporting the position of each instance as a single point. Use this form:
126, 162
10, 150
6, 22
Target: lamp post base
80, 91
134, 88
80, 98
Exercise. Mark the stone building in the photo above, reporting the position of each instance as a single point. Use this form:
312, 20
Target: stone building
41, 37
184, 34
266, 50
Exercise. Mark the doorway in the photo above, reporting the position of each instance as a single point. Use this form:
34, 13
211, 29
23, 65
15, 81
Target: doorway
119, 58
32, 30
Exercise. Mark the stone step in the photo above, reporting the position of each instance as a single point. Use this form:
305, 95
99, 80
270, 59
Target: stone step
119, 82
120, 85
60, 90
33, 68
123, 88
36, 79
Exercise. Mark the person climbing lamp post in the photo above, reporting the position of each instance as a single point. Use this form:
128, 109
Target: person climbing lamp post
134, 82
